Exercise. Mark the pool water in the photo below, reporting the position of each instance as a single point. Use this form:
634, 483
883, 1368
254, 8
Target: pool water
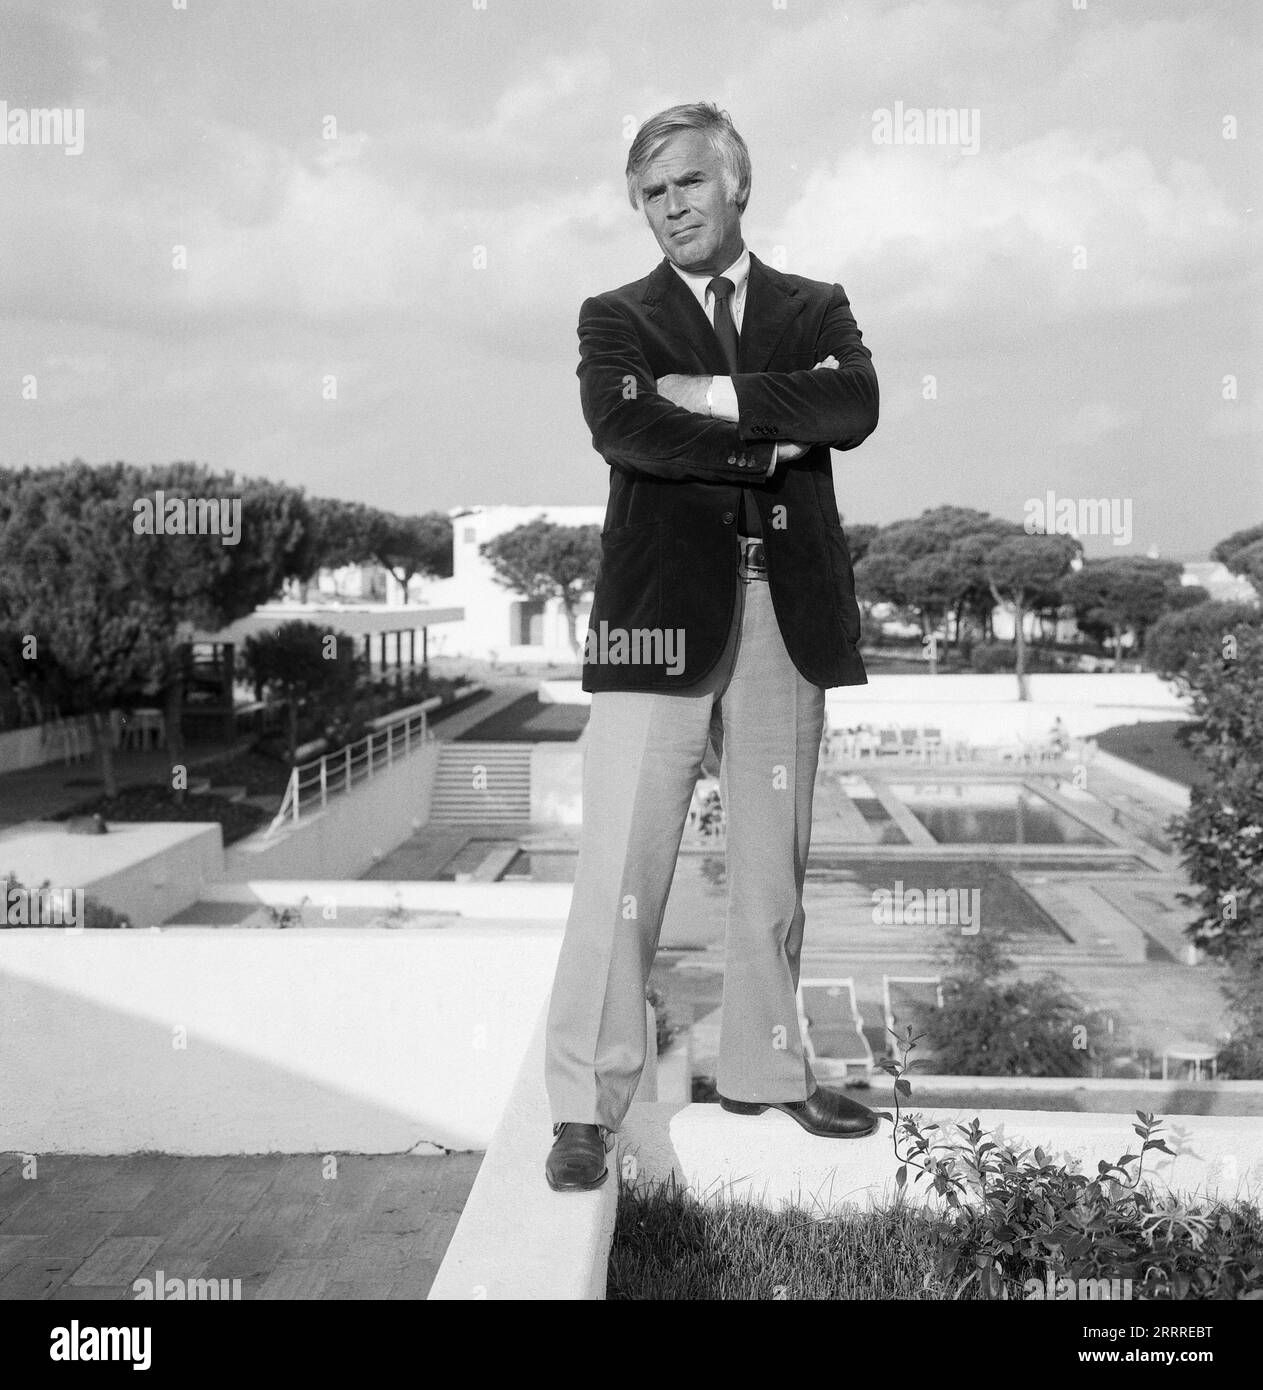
991, 813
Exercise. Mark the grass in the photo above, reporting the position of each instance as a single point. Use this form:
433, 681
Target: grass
1153, 746
668, 1245
259, 774
529, 719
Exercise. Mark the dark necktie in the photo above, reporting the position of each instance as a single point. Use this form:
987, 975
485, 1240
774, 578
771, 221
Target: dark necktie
726, 332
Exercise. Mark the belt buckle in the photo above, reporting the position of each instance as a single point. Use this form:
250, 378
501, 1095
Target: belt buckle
753, 556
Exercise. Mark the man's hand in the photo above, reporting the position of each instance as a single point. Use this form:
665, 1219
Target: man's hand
787, 451
688, 392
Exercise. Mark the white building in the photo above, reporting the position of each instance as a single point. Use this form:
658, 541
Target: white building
498, 625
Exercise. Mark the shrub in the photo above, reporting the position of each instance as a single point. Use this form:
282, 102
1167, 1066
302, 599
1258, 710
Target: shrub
1241, 1057
665, 1030
997, 657
993, 1024
1221, 834
1013, 1218
1177, 641
96, 914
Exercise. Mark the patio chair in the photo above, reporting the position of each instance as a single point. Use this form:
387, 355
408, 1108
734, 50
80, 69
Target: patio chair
909, 743
889, 742
831, 1025
925, 989
931, 743
866, 742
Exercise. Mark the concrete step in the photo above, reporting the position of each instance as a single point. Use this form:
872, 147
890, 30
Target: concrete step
485, 783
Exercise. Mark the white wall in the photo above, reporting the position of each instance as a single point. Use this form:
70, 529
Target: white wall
40, 744
986, 710
299, 1041
149, 871
351, 833
486, 627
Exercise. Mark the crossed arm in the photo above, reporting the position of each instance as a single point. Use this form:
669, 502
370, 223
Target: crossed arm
696, 393
662, 426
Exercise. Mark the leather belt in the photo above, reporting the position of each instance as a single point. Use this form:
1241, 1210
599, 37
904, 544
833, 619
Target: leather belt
753, 557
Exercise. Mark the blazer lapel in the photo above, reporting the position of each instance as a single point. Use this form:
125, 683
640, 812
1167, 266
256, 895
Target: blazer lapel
771, 306
670, 304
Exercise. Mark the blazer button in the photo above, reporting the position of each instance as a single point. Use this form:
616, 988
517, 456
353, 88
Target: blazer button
728, 518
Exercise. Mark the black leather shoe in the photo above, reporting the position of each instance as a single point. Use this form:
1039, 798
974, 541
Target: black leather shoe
826, 1114
576, 1161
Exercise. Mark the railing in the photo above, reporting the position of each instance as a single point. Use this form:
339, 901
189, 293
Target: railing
312, 784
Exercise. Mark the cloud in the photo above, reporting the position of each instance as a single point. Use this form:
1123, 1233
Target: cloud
1058, 226
1097, 419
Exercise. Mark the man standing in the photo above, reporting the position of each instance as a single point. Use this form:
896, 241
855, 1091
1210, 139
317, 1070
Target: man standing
714, 388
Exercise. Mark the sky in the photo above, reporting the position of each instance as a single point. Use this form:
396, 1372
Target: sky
406, 201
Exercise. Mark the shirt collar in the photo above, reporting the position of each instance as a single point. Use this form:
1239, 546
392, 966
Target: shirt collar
738, 272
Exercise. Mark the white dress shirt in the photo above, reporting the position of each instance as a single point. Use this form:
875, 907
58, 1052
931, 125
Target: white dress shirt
722, 395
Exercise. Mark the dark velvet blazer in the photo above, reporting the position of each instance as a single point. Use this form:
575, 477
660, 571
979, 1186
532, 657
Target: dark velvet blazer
669, 542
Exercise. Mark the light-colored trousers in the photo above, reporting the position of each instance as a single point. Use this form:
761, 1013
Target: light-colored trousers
642, 758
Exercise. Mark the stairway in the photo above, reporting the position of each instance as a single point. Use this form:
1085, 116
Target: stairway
482, 784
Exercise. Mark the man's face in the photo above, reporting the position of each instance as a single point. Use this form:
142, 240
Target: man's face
683, 195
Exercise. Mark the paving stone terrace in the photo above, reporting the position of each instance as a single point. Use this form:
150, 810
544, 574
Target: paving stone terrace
87, 1228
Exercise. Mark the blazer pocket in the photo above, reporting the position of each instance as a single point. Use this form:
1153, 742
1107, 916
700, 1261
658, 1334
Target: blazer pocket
631, 575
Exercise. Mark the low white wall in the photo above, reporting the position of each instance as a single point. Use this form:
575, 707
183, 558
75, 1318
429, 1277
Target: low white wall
981, 709
351, 834
147, 870
771, 1161
517, 1238
521, 902
23, 748
217, 1041
985, 709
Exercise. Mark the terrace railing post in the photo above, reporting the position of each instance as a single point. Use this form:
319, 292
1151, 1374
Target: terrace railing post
348, 767
293, 789
324, 783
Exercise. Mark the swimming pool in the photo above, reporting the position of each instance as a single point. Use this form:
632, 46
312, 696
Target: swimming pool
991, 813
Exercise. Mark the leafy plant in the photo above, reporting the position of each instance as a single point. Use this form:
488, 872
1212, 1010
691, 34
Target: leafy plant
287, 916
1221, 835
96, 914
665, 1030
1010, 1214
993, 1023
